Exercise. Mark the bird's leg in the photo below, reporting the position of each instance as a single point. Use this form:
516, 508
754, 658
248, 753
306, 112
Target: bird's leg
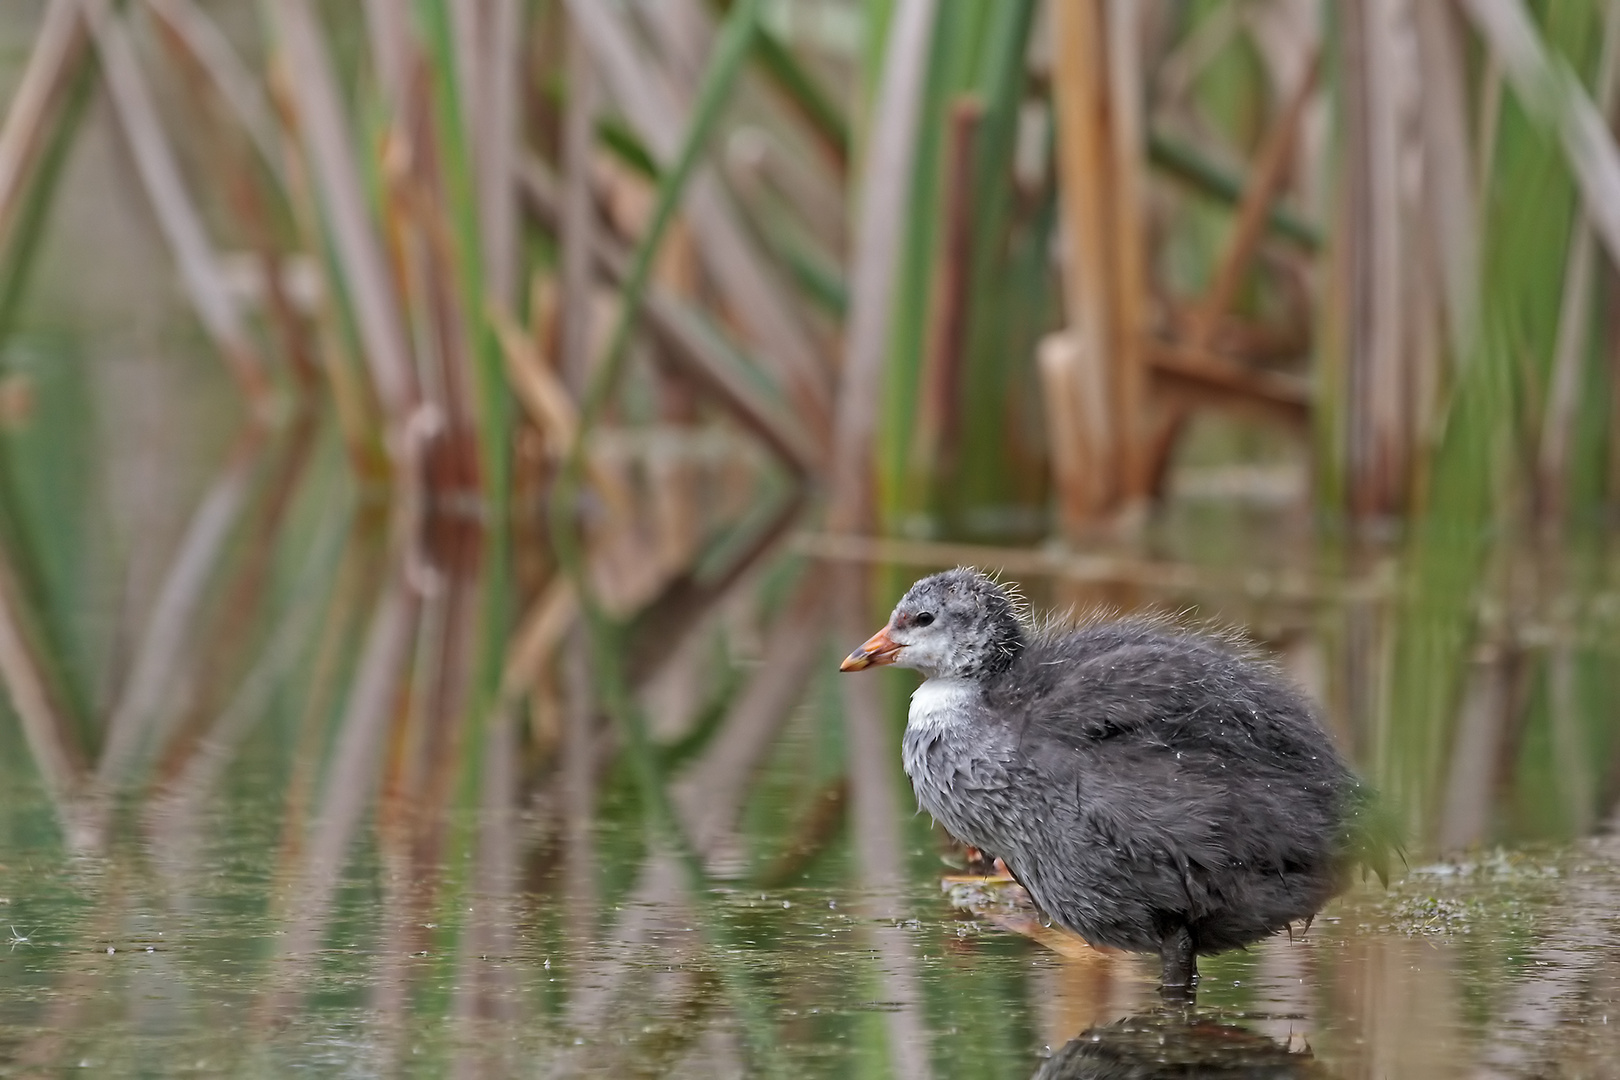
1180, 963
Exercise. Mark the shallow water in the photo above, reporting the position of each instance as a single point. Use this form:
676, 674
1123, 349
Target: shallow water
306, 790
346, 868
193, 945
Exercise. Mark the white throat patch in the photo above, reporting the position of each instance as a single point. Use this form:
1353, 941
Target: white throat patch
941, 704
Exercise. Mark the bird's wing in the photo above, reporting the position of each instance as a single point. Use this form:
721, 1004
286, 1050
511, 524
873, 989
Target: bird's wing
1148, 690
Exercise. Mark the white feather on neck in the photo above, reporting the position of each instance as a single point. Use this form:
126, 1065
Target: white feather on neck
941, 704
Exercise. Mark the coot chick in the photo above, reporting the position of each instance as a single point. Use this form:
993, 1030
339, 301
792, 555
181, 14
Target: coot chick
1151, 788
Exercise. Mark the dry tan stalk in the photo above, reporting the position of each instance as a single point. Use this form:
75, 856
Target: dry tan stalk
1215, 32
543, 628
757, 156
1208, 378
388, 25
498, 148
543, 395
177, 215
1450, 190
1379, 421
1129, 277
742, 273
416, 218
356, 408
1266, 177
422, 252
201, 37
684, 34
885, 184
941, 379
1062, 369
336, 173
54, 59
578, 230
690, 342
1084, 176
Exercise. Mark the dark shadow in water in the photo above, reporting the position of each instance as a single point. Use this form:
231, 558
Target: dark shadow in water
1172, 1045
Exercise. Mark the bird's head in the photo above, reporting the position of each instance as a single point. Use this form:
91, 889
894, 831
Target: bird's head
960, 623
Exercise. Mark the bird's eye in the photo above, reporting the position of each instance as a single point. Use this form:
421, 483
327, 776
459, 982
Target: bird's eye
926, 618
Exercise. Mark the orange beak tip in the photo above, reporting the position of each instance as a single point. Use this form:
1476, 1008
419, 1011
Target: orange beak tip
877, 651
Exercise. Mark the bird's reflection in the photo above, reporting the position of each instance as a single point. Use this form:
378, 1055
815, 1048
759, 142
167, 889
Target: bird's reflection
1175, 1044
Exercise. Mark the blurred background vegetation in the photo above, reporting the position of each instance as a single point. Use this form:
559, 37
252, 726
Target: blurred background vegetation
504, 404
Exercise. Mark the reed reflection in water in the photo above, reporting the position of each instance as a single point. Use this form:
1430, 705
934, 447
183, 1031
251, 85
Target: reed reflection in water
327, 821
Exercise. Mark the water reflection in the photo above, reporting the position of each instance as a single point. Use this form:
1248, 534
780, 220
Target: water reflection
1167, 1046
327, 814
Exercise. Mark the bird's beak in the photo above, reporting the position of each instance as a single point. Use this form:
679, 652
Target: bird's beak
879, 649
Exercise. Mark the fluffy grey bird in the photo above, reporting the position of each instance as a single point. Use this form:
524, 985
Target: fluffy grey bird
1152, 788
